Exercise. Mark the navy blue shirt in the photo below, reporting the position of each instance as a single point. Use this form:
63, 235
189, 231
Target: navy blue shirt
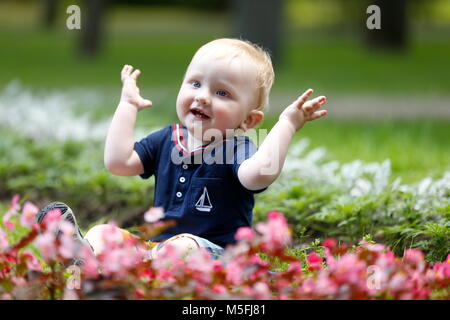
199, 189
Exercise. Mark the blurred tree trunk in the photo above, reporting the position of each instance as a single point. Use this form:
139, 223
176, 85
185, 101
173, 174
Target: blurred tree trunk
92, 15
260, 22
394, 27
49, 8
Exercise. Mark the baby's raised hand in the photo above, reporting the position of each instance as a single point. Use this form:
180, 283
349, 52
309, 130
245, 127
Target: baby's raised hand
302, 110
130, 91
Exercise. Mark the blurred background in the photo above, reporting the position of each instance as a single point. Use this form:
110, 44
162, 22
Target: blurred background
388, 90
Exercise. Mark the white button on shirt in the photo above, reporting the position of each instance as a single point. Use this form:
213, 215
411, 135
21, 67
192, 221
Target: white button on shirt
185, 166
182, 179
179, 194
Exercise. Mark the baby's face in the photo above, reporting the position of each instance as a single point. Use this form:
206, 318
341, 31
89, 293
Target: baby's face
216, 93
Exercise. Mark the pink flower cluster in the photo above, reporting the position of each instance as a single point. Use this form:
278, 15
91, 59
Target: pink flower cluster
125, 270
371, 271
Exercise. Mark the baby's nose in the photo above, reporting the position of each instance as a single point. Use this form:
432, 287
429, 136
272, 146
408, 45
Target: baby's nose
202, 99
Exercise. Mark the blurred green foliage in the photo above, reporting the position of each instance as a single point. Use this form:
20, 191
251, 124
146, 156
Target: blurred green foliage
203, 4
161, 41
322, 211
416, 148
71, 172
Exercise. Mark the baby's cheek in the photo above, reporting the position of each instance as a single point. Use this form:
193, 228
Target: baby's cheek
223, 120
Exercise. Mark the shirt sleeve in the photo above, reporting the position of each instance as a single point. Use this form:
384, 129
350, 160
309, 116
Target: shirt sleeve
148, 150
244, 148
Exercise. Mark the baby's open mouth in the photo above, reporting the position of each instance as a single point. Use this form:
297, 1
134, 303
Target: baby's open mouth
199, 114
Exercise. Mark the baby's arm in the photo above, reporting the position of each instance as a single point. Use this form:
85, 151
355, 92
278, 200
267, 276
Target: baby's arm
264, 167
120, 157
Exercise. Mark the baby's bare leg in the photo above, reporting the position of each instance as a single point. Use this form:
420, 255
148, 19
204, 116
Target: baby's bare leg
183, 243
95, 236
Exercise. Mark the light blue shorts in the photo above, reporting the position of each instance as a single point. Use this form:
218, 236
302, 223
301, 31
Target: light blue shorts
214, 250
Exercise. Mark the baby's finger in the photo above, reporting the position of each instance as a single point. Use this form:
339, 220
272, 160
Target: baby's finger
126, 70
146, 103
303, 98
135, 74
318, 114
314, 104
123, 73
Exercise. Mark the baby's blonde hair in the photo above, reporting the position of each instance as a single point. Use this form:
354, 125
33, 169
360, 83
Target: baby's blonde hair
259, 56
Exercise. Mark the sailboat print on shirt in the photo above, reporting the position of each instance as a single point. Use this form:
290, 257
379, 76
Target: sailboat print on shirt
204, 203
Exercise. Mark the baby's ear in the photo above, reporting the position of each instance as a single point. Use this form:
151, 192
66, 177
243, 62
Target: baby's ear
253, 119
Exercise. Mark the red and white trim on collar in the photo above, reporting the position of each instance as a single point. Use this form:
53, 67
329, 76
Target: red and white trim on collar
179, 135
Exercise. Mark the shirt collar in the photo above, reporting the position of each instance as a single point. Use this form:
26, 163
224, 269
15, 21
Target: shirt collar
180, 135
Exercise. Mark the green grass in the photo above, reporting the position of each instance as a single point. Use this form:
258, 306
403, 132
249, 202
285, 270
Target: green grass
50, 60
343, 65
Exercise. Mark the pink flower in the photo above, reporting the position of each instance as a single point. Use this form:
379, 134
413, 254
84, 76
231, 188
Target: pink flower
154, 214
52, 219
261, 291
28, 216
91, 264
398, 282
112, 235
4, 244
14, 207
167, 256
46, 244
375, 247
329, 258
349, 269
19, 281
120, 253
275, 232
235, 273
295, 267
386, 260
314, 261
200, 261
32, 262
67, 245
164, 275
308, 286
245, 234
70, 295
8, 224
139, 293
219, 288
6, 296
441, 270
413, 256
330, 243
15, 202
325, 286
218, 266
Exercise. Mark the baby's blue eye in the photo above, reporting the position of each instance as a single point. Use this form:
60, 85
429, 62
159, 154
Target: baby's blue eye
196, 84
221, 93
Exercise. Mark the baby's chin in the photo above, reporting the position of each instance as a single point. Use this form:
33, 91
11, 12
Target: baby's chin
208, 133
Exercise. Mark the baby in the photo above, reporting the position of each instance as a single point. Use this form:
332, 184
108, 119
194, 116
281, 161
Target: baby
206, 174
